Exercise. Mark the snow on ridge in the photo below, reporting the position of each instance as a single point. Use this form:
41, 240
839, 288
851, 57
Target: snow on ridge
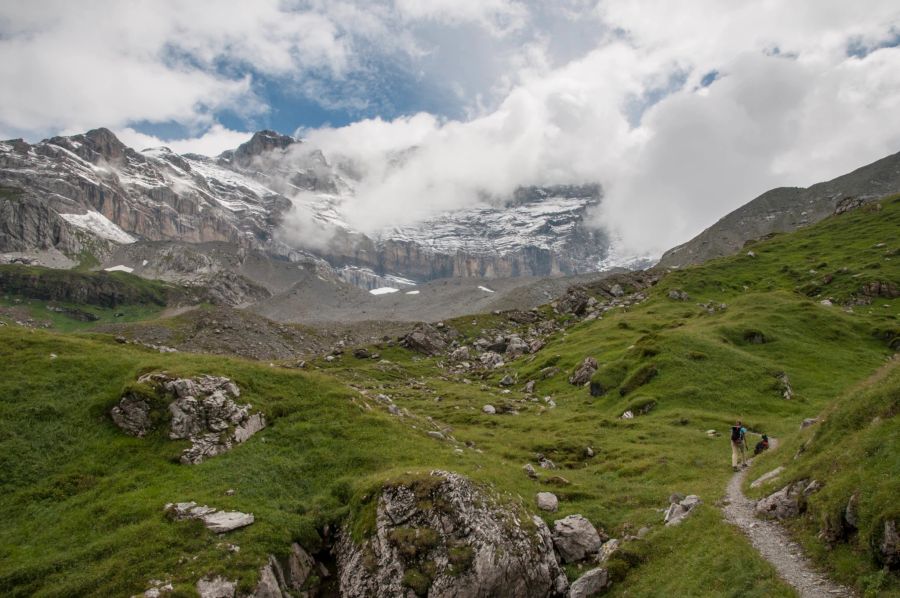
100, 225
485, 289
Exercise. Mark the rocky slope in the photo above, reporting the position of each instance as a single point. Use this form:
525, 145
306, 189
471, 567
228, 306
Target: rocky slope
787, 208
89, 194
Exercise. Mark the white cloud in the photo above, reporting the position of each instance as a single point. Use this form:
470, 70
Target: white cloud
211, 143
497, 16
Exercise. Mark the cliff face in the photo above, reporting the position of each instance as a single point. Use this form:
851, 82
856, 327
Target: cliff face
90, 193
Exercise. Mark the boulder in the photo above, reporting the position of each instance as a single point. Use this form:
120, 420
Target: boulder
785, 503
441, 535
575, 538
547, 501
201, 409
491, 360
489, 409
215, 520
271, 580
515, 346
300, 566
460, 354
529, 387
528, 468
574, 302
584, 372
590, 584
425, 339
612, 545
216, 587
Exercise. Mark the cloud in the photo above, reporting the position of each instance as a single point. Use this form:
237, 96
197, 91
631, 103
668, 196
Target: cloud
673, 148
211, 143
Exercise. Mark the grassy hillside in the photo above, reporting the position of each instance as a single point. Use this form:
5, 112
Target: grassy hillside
82, 509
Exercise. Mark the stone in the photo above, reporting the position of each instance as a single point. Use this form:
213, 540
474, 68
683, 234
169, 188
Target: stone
489, 409
515, 347
529, 387
216, 587
678, 511
271, 580
676, 497
201, 409
547, 501
588, 452
767, 476
362, 353
436, 435
612, 545
492, 360
300, 566
678, 295
851, 511
529, 471
592, 583
132, 415
425, 339
627, 415
574, 302
507, 380
584, 371
468, 542
809, 421
783, 504
575, 538
888, 552
226, 521
460, 354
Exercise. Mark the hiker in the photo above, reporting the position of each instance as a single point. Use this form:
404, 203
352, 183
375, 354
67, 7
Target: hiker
762, 445
738, 445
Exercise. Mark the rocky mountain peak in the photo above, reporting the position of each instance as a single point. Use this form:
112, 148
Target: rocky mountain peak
94, 146
261, 142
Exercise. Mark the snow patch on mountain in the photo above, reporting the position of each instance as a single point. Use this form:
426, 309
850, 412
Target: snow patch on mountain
100, 225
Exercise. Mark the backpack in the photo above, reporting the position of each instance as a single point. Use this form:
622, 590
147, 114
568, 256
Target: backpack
735, 434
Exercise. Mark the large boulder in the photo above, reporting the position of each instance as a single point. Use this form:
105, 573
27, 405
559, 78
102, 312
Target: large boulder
439, 534
788, 502
680, 507
574, 302
575, 538
425, 339
584, 372
201, 409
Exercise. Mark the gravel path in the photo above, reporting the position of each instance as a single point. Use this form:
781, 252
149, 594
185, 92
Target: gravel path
774, 544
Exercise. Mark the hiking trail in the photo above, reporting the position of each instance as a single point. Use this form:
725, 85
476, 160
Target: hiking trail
772, 541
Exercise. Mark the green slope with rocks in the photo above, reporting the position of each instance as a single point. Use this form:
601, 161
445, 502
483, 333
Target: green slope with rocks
773, 336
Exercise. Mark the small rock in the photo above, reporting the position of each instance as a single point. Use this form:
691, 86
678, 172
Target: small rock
507, 380
529, 386
226, 521
547, 501
436, 435
489, 409
627, 415
592, 583
529, 471
584, 372
588, 452
612, 545
217, 587
809, 421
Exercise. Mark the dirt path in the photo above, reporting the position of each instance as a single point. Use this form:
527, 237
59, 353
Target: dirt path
771, 540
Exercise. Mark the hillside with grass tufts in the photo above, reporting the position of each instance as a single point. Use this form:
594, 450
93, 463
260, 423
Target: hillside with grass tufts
802, 325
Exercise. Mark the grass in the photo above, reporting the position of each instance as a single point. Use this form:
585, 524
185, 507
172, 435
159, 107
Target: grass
82, 508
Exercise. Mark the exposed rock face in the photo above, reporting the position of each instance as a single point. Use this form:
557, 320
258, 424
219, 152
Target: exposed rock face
441, 535
584, 372
590, 584
788, 502
201, 410
679, 508
575, 538
787, 208
888, 549
216, 587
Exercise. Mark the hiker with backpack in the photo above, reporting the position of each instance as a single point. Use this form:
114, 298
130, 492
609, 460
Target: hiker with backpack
738, 445
762, 445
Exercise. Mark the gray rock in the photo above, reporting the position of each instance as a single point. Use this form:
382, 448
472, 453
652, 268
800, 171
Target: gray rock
547, 501
575, 538
590, 584
529, 386
489, 409
584, 372
507, 380
226, 521
771, 475
492, 360
300, 565
132, 415
475, 545
809, 421
889, 547
783, 504
202, 410
425, 339
460, 354
851, 511
612, 545
515, 346
216, 587
529, 471
678, 295
678, 511
436, 435
271, 580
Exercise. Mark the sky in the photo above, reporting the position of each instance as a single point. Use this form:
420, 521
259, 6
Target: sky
681, 111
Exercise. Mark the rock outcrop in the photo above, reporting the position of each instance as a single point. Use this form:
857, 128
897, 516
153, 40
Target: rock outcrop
680, 507
439, 534
214, 520
583, 373
788, 502
200, 409
592, 583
